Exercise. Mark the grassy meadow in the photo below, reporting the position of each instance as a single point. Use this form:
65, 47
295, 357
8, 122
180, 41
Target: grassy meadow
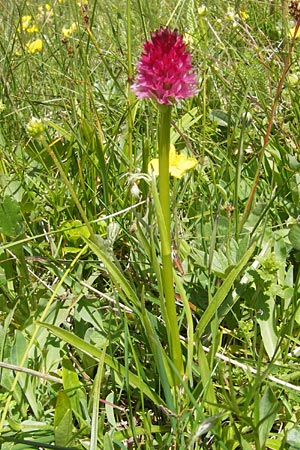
85, 337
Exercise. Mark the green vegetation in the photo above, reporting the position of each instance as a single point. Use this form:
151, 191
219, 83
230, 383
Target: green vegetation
84, 343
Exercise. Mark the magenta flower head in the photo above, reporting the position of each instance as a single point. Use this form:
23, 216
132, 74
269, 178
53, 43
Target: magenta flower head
165, 72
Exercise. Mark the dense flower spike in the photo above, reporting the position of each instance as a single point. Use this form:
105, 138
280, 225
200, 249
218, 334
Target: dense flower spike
294, 8
165, 72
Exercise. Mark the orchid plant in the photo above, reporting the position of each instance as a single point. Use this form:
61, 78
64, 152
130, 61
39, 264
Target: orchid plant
165, 74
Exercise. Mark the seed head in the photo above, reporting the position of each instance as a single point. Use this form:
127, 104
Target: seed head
294, 8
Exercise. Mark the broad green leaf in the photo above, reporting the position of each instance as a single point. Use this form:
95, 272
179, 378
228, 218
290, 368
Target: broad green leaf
246, 445
89, 349
75, 391
10, 187
297, 315
75, 230
89, 313
275, 443
220, 264
265, 318
72, 250
63, 420
10, 217
293, 437
109, 409
219, 117
294, 236
108, 442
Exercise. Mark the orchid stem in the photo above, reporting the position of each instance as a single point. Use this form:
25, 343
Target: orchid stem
167, 265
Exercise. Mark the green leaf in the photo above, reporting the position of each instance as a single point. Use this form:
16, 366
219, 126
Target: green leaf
107, 442
267, 415
219, 117
95, 398
10, 217
222, 292
207, 381
75, 391
266, 321
75, 230
245, 444
293, 437
63, 420
25, 381
294, 236
60, 130
275, 444
115, 272
109, 409
185, 122
95, 352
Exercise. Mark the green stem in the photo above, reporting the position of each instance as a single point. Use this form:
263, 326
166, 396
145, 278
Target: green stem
130, 95
167, 265
164, 174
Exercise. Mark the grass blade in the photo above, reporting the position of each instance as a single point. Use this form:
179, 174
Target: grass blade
89, 349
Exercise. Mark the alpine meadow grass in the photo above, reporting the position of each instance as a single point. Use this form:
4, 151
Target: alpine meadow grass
149, 225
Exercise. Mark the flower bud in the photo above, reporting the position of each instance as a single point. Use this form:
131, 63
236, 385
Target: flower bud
35, 127
292, 79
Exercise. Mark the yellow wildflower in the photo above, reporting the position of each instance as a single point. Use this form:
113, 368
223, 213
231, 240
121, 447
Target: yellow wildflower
67, 32
32, 29
292, 32
179, 163
244, 15
35, 46
25, 23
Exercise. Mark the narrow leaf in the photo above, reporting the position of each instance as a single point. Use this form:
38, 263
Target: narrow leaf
89, 349
115, 273
222, 292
